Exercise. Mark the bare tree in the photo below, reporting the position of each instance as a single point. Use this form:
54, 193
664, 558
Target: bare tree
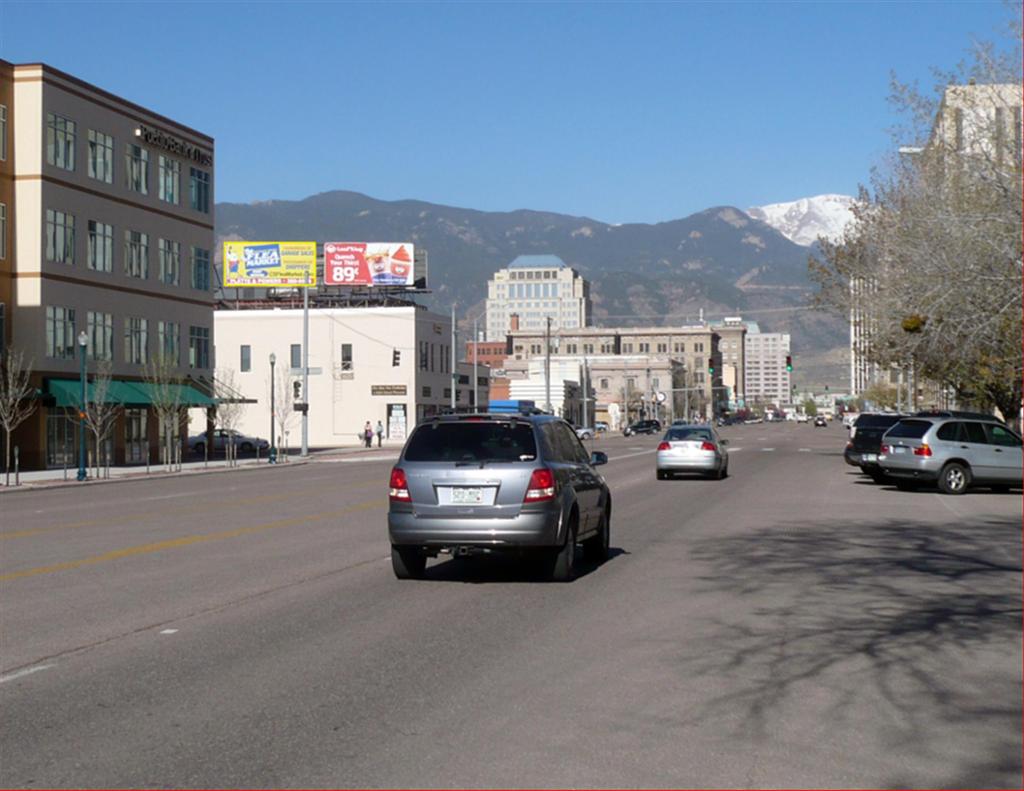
229, 409
99, 411
284, 411
16, 402
161, 374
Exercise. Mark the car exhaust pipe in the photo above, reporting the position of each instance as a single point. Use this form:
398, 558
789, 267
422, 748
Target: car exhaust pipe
462, 552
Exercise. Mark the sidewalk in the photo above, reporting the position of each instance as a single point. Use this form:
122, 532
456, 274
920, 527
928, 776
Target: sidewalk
49, 479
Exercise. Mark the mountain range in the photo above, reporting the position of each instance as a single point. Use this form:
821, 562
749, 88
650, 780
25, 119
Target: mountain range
721, 260
804, 221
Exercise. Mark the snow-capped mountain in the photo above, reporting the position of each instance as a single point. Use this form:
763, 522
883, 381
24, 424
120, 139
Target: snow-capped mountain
803, 221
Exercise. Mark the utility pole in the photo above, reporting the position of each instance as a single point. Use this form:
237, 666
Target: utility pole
476, 351
586, 390
305, 372
547, 366
455, 373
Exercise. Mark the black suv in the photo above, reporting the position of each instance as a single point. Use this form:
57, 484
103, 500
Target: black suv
642, 427
866, 440
487, 483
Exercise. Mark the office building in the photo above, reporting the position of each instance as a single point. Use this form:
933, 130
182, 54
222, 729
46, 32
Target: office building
767, 380
536, 288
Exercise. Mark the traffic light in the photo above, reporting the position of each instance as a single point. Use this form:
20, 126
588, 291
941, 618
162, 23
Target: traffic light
396, 358
711, 367
789, 364
297, 391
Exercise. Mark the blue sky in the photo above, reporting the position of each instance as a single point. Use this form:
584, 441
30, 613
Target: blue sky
623, 112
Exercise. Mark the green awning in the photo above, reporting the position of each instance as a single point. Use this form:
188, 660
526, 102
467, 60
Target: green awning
67, 393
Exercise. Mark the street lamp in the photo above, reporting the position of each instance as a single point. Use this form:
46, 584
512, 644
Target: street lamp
272, 456
83, 341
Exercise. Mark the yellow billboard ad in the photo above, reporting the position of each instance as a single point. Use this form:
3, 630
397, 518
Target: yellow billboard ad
269, 264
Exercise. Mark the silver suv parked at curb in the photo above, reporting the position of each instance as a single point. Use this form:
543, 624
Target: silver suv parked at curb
488, 483
953, 452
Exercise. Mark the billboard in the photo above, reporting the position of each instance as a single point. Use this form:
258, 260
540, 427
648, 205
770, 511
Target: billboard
269, 264
369, 264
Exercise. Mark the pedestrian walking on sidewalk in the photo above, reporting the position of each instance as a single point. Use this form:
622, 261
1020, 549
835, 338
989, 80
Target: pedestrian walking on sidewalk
368, 434
380, 434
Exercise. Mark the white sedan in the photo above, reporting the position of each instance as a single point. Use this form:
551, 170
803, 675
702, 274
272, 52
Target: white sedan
692, 449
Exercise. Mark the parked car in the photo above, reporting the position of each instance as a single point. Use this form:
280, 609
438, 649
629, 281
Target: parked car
243, 444
954, 453
694, 448
866, 439
600, 426
585, 432
820, 420
491, 483
642, 427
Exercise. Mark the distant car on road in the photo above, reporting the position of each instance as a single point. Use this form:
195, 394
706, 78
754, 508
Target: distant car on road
955, 453
821, 420
642, 427
693, 448
585, 432
243, 444
497, 483
803, 417
600, 426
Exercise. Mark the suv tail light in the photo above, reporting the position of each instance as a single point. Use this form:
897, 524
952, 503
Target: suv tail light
924, 450
399, 487
664, 446
705, 445
542, 486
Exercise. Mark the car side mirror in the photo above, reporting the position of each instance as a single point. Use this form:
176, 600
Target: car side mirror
598, 458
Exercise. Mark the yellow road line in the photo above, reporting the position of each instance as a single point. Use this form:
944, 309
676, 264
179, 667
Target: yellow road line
185, 541
171, 511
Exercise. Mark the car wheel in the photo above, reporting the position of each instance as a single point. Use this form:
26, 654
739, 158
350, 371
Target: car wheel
562, 562
408, 563
595, 549
246, 447
724, 472
954, 479
662, 475
200, 448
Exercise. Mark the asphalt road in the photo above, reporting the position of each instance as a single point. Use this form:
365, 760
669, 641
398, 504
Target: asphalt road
793, 625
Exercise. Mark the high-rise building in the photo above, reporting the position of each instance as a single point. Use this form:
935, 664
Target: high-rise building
535, 288
767, 380
106, 234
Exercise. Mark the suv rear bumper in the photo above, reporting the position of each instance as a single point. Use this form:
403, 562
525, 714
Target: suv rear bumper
918, 473
528, 529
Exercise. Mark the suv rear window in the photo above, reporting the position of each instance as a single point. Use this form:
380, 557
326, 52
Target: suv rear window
876, 421
909, 429
484, 440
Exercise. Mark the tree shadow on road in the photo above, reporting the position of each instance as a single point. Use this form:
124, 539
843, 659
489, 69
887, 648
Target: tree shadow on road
921, 620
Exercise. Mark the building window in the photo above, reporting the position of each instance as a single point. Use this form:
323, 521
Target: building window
136, 168
604, 384
3, 232
136, 340
645, 347
101, 157
170, 261
627, 348
200, 269
426, 391
631, 382
60, 333
60, 237
101, 246
662, 348
199, 190
346, 357
136, 254
656, 382
198, 347
3, 132
60, 142
168, 333
245, 363
170, 171
698, 347
296, 356
588, 348
101, 336
423, 355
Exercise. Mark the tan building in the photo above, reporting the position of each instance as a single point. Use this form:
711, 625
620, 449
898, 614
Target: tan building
106, 231
536, 288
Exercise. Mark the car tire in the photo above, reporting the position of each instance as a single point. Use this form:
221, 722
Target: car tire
562, 561
199, 448
595, 549
954, 478
246, 447
662, 475
408, 563
724, 472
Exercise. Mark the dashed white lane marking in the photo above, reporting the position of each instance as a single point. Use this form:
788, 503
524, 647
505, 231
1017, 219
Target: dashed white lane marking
734, 450
356, 459
767, 450
168, 631
23, 672
630, 455
804, 450
636, 447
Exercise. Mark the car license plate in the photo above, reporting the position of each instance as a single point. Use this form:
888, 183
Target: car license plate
898, 449
870, 457
464, 495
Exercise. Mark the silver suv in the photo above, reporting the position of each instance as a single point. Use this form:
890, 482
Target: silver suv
486, 483
954, 452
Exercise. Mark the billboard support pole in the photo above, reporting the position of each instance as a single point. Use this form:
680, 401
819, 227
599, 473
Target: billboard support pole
305, 371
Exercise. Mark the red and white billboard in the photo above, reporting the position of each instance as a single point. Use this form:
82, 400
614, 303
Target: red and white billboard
368, 264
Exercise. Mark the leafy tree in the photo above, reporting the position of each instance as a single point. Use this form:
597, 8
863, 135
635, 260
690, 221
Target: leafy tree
810, 408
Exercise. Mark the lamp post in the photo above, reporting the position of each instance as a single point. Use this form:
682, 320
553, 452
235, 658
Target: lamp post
83, 342
272, 455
